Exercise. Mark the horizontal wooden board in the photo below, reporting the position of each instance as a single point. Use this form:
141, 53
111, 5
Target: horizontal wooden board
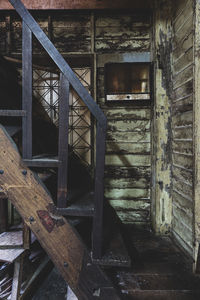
118, 45
128, 125
127, 160
183, 187
185, 147
72, 21
183, 174
127, 148
134, 216
182, 244
126, 183
182, 202
123, 33
129, 193
185, 233
183, 119
128, 21
184, 90
183, 76
183, 28
185, 132
186, 218
137, 204
127, 137
83, 4
183, 105
71, 33
183, 46
128, 113
128, 172
183, 160
182, 8
183, 61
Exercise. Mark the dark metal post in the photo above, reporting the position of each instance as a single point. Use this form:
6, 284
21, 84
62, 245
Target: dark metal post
97, 238
63, 142
27, 91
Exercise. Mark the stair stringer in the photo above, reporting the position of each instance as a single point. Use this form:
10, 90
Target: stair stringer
58, 238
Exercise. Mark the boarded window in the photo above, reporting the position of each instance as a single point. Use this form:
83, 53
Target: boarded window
127, 81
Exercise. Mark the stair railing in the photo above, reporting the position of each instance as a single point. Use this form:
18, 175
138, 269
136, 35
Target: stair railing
68, 77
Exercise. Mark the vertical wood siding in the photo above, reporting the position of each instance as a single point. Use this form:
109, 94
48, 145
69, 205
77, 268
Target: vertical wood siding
182, 125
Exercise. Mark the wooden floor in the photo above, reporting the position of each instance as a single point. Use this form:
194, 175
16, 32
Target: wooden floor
159, 271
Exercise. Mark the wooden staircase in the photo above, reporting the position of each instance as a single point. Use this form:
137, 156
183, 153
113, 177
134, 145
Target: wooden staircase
48, 219
59, 239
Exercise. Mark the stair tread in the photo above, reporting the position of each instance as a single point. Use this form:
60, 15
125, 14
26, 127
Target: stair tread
81, 206
11, 239
10, 255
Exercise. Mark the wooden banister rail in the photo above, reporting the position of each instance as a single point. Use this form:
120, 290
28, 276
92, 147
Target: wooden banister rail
68, 77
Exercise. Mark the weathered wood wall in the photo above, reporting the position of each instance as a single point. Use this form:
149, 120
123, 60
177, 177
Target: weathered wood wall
127, 177
161, 208
182, 124
127, 181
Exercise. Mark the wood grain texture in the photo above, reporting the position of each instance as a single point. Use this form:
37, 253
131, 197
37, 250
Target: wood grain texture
182, 124
60, 240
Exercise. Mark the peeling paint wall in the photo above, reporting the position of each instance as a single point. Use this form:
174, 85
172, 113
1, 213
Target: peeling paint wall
182, 124
128, 160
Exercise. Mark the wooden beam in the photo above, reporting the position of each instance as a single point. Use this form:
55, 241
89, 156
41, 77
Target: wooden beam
63, 142
17, 277
58, 238
97, 237
83, 4
27, 91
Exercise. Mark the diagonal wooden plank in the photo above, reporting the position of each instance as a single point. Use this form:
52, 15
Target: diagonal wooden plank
55, 234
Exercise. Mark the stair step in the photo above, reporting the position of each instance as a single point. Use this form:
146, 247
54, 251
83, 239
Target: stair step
42, 162
10, 255
81, 207
11, 240
161, 295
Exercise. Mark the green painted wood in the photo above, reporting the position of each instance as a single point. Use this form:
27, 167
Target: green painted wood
119, 194
127, 160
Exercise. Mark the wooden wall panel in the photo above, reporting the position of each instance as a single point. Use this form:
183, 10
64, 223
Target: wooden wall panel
122, 33
128, 161
182, 125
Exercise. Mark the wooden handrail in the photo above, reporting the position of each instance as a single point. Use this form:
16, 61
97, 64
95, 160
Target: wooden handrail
60, 62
